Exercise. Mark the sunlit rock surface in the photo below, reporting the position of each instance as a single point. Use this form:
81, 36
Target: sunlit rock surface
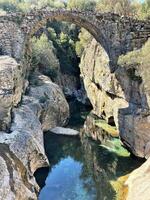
138, 183
119, 97
102, 87
54, 107
11, 86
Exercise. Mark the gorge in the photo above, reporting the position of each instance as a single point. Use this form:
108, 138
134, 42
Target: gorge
31, 103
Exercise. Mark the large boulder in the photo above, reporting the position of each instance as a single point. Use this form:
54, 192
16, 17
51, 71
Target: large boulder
21, 154
11, 86
55, 109
134, 121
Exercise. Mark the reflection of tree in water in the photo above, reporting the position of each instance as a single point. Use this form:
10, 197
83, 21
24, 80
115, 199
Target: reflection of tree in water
95, 172
102, 166
99, 165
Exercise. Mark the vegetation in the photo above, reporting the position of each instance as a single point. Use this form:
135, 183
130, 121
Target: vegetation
26, 5
43, 55
82, 4
137, 60
116, 147
134, 8
84, 38
120, 187
137, 57
105, 126
64, 37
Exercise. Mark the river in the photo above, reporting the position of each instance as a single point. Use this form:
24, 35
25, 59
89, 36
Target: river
82, 169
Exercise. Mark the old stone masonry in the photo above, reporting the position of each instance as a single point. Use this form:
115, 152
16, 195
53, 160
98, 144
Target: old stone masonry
117, 35
26, 110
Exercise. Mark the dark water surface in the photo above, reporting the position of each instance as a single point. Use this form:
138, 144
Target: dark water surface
80, 169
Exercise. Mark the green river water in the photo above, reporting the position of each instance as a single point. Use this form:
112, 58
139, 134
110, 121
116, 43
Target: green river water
82, 169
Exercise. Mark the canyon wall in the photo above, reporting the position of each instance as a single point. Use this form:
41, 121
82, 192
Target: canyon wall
121, 97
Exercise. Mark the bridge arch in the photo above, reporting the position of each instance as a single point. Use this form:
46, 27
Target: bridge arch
87, 20
117, 35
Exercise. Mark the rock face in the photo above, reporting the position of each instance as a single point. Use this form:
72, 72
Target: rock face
11, 88
103, 89
22, 152
138, 183
121, 97
22, 149
96, 130
55, 109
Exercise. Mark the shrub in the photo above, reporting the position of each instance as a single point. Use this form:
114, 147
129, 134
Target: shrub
139, 60
43, 56
84, 38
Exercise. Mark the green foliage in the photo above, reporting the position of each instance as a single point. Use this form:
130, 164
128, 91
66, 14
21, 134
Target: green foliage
64, 36
43, 55
27, 5
84, 38
133, 8
138, 59
79, 48
2, 12
122, 7
145, 9
111, 130
81, 4
8, 5
114, 145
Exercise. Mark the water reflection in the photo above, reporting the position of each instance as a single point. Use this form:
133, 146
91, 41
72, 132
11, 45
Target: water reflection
80, 169
64, 182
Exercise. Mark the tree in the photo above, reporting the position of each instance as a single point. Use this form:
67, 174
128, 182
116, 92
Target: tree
122, 7
84, 38
43, 56
81, 4
145, 11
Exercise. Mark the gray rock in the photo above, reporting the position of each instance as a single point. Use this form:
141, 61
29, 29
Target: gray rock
11, 87
119, 97
64, 131
22, 150
55, 109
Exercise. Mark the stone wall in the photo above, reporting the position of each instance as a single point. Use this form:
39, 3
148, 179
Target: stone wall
117, 35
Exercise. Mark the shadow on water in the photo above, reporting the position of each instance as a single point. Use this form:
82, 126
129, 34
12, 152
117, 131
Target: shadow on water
80, 169
78, 113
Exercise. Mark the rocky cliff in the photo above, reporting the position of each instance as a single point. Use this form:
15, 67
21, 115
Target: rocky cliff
120, 97
27, 109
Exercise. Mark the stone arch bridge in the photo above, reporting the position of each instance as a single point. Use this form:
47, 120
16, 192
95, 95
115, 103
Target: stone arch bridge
116, 34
